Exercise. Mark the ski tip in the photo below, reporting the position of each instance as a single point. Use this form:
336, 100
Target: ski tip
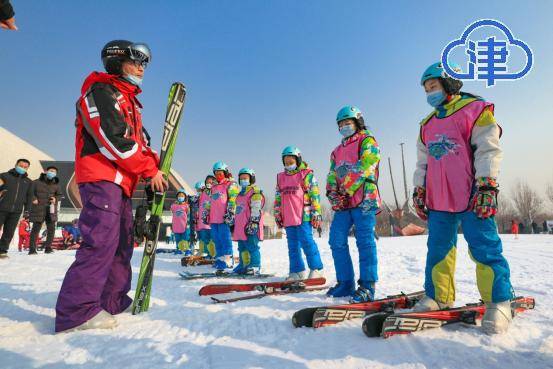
303, 318
372, 325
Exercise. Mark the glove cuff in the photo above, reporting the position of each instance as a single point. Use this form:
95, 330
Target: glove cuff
488, 183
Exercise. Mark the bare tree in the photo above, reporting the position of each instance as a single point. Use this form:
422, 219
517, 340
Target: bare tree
526, 201
505, 214
549, 192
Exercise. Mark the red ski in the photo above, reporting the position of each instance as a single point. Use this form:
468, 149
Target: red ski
295, 287
323, 316
387, 325
214, 289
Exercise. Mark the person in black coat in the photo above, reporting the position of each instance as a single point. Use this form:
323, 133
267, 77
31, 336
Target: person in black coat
46, 195
7, 19
15, 195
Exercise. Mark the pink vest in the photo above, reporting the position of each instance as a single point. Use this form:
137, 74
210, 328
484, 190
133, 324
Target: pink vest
345, 158
200, 225
243, 214
292, 196
450, 172
219, 199
180, 217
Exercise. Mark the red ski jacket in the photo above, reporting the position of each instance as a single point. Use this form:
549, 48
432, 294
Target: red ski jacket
111, 144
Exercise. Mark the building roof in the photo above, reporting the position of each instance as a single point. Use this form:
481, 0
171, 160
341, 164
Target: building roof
14, 147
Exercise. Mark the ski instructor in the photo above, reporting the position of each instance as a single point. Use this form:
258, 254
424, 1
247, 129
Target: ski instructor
112, 154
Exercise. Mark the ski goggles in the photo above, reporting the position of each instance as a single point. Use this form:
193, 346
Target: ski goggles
140, 54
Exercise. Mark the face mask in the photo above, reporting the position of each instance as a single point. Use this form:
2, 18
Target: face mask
290, 167
137, 81
20, 170
208, 185
51, 175
219, 177
347, 130
435, 98
244, 183
180, 199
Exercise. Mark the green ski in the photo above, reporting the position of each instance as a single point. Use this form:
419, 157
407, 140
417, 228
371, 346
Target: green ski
170, 130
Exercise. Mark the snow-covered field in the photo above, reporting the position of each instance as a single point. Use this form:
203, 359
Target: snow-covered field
186, 330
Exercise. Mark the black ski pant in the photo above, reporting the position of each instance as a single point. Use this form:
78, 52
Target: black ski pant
8, 223
50, 229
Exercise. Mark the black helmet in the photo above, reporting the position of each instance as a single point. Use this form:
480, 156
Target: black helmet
114, 53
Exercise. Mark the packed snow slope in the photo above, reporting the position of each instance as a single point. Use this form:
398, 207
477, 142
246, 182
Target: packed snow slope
183, 329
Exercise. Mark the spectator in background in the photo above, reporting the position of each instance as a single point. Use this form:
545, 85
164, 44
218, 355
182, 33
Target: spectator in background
15, 195
535, 229
168, 234
24, 233
7, 19
521, 228
514, 228
545, 227
46, 195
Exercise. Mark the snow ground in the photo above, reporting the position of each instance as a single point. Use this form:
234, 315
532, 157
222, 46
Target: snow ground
183, 329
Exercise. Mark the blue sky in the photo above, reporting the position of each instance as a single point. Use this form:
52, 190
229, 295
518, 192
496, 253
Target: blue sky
262, 75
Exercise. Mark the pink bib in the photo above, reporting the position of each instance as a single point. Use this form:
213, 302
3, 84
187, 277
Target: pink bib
345, 158
242, 217
218, 202
200, 226
450, 172
180, 217
292, 196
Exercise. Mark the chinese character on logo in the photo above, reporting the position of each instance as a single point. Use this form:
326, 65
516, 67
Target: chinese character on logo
488, 59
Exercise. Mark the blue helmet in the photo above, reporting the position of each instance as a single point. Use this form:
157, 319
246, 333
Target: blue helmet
181, 190
348, 112
199, 186
220, 166
249, 171
292, 151
351, 112
451, 85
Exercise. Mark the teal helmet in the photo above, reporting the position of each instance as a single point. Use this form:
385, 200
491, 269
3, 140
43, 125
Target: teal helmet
451, 85
199, 186
220, 166
249, 171
181, 190
292, 151
351, 112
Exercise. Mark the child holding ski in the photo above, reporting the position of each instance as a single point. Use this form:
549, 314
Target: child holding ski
207, 245
248, 223
180, 210
458, 158
297, 208
353, 193
219, 214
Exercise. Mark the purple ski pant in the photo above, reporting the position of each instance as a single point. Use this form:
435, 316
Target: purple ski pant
100, 276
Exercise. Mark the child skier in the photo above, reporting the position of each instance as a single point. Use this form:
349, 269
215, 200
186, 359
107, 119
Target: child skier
248, 223
297, 208
207, 246
219, 214
24, 234
352, 191
458, 157
180, 210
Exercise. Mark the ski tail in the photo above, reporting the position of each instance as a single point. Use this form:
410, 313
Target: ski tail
175, 107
